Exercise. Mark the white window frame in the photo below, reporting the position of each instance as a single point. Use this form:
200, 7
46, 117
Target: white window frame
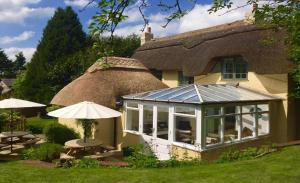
126, 113
234, 63
240, 114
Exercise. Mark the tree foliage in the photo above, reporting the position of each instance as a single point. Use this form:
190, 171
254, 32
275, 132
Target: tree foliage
5, 65
62, 37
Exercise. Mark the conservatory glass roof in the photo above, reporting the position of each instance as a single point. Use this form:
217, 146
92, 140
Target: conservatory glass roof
199, 94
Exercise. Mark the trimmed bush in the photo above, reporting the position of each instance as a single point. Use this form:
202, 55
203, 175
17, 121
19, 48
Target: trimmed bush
81, 163
37, 125
59, 134
45, 152
141, 156
245, 154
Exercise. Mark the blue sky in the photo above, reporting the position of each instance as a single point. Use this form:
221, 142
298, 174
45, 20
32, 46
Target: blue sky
22, 21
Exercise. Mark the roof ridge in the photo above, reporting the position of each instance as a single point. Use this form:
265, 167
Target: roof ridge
198, 31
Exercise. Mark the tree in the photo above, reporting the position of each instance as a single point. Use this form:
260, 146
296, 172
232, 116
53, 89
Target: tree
276, 14
63, 36
18, 64
5, 65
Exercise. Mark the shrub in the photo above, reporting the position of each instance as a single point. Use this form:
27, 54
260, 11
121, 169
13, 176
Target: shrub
37, 125
45, 152
173, 162
249, 153
81, 163
141, 156
59, 134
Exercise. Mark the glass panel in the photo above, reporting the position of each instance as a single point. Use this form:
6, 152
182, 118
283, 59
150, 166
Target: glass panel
132, 122
248, 109
162, 122
213, 131
132, 104
185, 130
212, 111
263, 124
231, 109
262, 107
247, 125
185, 110
231, 128
148, 119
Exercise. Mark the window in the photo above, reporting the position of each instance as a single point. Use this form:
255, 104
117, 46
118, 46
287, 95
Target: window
156, 73
162, 122
132, 116
132, 121
212, 131
148, 119
185, 129
184, 80
231, 123
234, 68
227, 124
185, 124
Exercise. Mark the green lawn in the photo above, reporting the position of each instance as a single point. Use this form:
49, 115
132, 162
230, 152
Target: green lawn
283, 166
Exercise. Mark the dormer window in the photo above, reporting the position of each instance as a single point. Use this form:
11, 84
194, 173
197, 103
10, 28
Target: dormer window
234, 68
184, 80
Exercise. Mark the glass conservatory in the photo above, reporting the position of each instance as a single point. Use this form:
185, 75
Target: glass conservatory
199, 117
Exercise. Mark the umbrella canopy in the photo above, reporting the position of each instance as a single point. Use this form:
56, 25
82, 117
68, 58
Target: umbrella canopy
13, 103
85, 110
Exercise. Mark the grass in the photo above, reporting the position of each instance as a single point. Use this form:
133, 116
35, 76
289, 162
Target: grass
282, 166
36, 125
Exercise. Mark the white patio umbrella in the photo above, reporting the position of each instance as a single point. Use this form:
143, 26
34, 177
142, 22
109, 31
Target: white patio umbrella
85, 110
12, 104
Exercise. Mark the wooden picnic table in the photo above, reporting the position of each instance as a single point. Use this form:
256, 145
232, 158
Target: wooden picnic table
79, 144
8, 136
14, 134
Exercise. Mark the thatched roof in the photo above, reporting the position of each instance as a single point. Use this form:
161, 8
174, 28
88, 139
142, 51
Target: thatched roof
195, 52
104, 82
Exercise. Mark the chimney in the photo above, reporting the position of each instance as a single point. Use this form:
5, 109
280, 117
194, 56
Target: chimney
146, 36
250, 17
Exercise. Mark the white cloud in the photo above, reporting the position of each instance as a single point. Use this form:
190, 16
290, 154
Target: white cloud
22, 37
78, 3
197, 18
16, 11
12, 51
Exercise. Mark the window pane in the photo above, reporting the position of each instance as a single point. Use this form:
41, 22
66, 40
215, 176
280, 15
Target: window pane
185, 110
185, 130
131, 104
132, 122
262, 107
248, 109
213, 130
247, 125
212, 111
230, 128
148, 119
263, 124
162, 122
231, 109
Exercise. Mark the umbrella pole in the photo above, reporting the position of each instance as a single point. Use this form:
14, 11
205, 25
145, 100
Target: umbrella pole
11, 130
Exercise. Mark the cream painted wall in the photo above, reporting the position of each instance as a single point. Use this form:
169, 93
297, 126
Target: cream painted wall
272, 84
103, 131
170, 78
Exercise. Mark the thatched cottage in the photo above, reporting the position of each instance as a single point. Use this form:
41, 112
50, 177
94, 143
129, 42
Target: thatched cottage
229, 87
218, 60
105, 83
